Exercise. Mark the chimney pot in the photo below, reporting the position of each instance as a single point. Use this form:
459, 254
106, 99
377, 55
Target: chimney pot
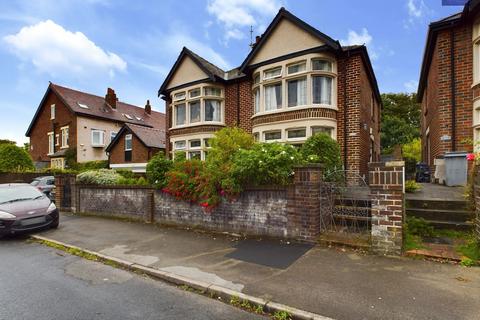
148, 107
111, 98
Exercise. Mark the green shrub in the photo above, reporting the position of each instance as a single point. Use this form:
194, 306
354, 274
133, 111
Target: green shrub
14, 159
157, 167
226, 143
321, 148
419, 227
265, 164
126, 173
411, 186
100, 177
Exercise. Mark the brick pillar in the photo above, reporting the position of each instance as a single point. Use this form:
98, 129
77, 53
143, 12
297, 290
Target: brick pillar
388, 214
303, 208
59, 181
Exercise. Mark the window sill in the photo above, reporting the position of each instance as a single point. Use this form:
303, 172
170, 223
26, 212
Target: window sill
287, 109
64, 147
98, 145
197, 124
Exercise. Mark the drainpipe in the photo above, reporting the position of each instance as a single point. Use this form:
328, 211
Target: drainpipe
238, 104
345, 133
452, 76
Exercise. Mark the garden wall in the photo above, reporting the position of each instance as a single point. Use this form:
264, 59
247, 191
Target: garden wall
26, 177
476, 196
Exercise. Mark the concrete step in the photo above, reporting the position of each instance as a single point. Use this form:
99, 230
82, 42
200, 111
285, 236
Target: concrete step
440, 214
437, 204
452, 225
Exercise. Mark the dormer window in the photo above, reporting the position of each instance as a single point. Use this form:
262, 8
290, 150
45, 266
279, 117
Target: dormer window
272, 73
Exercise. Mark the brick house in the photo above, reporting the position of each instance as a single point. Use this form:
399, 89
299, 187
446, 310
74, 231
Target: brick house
134, 146
295, 82
449, 86
68, 119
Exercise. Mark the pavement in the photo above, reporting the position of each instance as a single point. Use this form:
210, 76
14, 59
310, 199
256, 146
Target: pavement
335, 283
42, 283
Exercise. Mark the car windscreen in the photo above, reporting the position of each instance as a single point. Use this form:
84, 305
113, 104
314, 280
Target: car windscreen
35, 183
19, 193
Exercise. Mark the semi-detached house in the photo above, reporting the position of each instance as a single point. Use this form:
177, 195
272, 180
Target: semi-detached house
295, 82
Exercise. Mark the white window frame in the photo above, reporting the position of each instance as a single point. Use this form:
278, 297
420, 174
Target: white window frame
51, 143
272, 131
128, 137
57, 140
296, 138
265, 77
65, 132
52, 111
303, 62
101, 135
113, 134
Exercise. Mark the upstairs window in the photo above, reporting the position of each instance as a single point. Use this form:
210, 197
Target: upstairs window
273, 97
256, 79
52, 112
65, 132
113, 134
98, 138
272, 73
128, 142
212, 110
179, 96
297, 92
321, 65
180, 113
296, 68
322, 90
51, 143
194, 93
213, 91
195, 111
256, 97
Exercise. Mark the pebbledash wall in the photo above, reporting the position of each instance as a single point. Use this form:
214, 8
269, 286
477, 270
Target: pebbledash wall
290, 212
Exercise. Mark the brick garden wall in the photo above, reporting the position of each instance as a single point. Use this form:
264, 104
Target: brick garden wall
19, 177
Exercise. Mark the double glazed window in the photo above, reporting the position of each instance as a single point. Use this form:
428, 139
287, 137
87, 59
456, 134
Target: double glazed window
64, 131
198, 107
193, 149
98, 138
310, 81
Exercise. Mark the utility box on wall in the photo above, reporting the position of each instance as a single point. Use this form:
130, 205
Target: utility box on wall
456, 167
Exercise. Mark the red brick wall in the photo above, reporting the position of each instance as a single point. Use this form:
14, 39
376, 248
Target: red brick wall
437, 99
43, 125
140, 153
239, 115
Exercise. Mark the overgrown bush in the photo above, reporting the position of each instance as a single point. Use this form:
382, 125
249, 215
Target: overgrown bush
321, 148
265, 164
226, 143
157, 167
100, 177
419, 227
411, 186
14, 159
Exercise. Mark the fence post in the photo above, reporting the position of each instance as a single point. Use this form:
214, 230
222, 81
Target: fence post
388, 215
303, 207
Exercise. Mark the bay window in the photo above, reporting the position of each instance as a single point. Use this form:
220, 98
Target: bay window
195, 111
180, 112
321, 65
273, 97
297, 133
256, 96
199, 105
272, 73
295, 68
212, 110
297, 92
326, 130
273, 135
322, 90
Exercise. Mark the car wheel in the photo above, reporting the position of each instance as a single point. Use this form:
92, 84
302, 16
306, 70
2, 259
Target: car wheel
55, 223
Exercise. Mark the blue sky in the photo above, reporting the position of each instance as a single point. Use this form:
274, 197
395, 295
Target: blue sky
130, 45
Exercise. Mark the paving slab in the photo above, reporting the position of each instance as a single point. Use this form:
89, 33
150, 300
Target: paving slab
330, 282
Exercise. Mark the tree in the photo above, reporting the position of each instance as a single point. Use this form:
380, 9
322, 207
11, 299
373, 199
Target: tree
157, 167
14, 159
400, 119
7, 141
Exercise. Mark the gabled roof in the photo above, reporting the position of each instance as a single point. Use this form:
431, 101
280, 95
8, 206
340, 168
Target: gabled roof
213, 72
89, 105
470, 8
284, 14
150, 137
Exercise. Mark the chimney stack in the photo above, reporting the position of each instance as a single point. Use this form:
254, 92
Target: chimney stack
148, 107
111, 98
257, 39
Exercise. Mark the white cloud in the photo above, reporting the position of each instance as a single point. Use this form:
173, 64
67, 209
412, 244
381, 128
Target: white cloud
411, 86
57, 51
417, 10
235, 14
357, 38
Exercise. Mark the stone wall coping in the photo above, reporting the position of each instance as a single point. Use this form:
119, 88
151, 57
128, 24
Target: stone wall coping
310, 165
388, 164
97, 186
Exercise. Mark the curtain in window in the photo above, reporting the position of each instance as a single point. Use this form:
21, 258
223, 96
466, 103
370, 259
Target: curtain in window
195, 111
212, 110
257, 101
180, 114
273, 97
297, 92
322, 90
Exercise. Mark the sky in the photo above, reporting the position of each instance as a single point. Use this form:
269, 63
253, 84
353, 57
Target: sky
130, 46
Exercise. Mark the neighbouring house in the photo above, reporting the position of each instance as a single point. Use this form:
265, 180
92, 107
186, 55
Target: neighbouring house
295, 82
134, 146
74, 124
449, 90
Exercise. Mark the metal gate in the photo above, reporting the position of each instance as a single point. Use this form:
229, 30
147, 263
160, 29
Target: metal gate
66, 194
347, 205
